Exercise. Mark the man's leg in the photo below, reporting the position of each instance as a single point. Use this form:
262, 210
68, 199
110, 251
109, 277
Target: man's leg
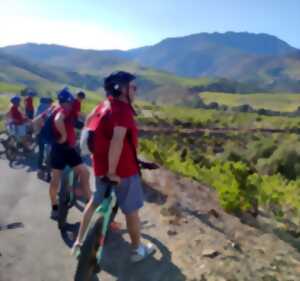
84, 177
130, 195
133, 226
85, 220
94, 202
54, 186
25, 138
41, 152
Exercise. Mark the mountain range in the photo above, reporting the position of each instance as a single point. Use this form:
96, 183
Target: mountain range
244, 61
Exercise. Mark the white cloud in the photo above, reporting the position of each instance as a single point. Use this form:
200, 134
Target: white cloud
18, 30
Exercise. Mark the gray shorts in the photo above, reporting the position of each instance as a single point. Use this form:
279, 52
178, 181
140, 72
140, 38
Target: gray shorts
130, 195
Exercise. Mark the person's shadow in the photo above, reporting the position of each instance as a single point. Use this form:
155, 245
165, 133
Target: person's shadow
116, 261
22, 161
116, 258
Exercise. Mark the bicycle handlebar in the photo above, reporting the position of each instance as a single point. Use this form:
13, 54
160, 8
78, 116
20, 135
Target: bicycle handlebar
108, 181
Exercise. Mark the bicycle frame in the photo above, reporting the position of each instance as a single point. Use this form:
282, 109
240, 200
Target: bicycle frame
105, 210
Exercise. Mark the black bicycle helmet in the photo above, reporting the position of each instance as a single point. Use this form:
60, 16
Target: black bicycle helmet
81, 95
114, 82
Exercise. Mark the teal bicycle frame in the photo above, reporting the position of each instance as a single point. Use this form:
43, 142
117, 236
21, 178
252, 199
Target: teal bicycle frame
105, 210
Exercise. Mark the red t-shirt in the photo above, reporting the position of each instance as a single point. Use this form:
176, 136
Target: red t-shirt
69, 125
16, 115
121, 115
29, 103
76, 107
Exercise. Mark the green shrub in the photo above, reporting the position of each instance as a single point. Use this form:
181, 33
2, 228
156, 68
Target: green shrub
263, 148
274, 184
285, 160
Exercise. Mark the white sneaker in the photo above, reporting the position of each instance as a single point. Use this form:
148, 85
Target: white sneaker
142, 252
75, 251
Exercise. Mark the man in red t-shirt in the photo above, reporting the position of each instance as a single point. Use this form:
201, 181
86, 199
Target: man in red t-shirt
14, 113
76, 111
115, 156
80, 97
29, 108
17, 121
63, 152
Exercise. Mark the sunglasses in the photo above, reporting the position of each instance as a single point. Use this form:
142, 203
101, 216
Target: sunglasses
133, 87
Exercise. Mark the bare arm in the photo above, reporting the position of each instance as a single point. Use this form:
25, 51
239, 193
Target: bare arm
60, 125
115, 149
8, 116
38, 122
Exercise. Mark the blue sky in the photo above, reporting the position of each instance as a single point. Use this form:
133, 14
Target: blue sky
116, 24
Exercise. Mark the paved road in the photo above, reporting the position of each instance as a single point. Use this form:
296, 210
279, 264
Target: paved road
38, 252
35, 252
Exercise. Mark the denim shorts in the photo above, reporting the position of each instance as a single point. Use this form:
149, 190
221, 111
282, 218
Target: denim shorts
130, 195
20, 131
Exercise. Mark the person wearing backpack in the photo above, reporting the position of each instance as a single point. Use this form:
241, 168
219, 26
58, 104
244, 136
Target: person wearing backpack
63, 152
113, 139
77, 104
43, 112
80, 97
44, 104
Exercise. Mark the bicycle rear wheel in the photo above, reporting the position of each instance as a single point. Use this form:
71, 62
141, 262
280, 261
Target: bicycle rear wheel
65, 198
63, 203
87, 261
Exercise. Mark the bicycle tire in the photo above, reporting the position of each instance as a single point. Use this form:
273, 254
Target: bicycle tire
11, 150
65, 201
11, 154
2, 147
87, 261
3, 139
63, 204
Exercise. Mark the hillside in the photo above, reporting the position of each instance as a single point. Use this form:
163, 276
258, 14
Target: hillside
278, 102
17, 70
35, 71
208, 54
256, 59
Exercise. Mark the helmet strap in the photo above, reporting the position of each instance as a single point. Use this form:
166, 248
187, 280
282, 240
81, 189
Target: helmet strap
130, 101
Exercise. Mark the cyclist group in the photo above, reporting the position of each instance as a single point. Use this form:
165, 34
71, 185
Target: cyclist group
112, 141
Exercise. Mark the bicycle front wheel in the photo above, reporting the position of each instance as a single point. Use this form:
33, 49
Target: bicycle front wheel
87, 265
3, 139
